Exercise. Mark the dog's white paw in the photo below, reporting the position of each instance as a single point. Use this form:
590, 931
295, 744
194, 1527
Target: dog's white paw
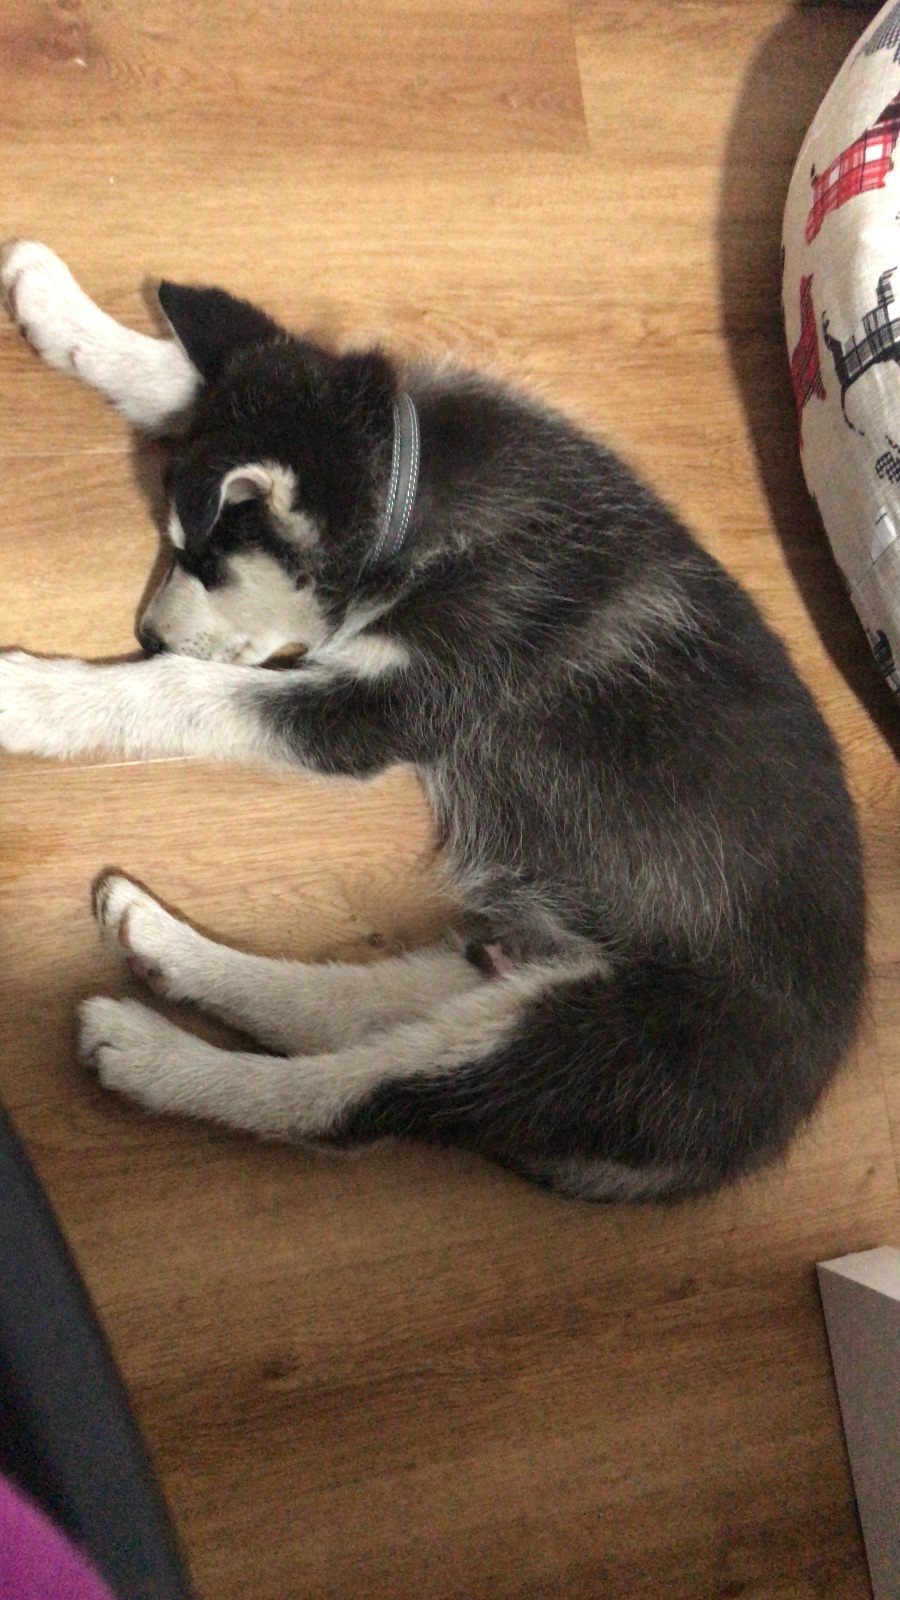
137, 929
36, 702
139, 1054
45, 302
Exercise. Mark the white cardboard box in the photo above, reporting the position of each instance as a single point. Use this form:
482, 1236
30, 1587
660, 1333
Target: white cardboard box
861, 1298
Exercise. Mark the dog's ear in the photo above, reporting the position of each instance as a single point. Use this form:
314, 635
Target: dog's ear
252, 481
275, 486
212, 325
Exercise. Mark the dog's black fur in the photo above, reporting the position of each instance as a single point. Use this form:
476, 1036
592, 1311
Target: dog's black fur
629, 778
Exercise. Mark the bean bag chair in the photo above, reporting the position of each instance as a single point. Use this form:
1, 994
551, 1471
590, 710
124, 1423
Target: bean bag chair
841, 298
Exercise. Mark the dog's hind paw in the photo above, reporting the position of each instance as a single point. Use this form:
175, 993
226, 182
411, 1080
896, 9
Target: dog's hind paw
45, 302
137, 929
138, 1053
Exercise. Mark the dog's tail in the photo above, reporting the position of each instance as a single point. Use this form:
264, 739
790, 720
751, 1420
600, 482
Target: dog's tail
652, 1080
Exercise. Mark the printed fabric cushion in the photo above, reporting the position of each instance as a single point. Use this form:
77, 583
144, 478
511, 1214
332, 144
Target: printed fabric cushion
841, 294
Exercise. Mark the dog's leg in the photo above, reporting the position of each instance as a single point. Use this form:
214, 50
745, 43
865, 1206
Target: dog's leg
288, 1006
168, 706
142, 1055
151, 381
466, 1074
181, 706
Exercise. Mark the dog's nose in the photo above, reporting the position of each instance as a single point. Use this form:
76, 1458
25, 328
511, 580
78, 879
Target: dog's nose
149, 640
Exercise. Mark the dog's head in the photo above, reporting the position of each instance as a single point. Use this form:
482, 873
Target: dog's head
274, 491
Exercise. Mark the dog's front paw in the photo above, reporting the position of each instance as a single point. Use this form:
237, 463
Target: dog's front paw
44, 301
36, 703
139, 1054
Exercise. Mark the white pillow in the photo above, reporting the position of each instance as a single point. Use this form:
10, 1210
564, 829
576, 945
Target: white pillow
841, 296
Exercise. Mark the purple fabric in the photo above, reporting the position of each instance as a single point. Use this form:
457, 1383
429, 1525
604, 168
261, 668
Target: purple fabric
36, 1561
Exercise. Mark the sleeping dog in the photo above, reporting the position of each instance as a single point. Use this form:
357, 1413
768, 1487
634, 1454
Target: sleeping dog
639, 807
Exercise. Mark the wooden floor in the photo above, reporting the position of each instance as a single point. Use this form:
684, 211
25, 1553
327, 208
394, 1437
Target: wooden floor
406, 1374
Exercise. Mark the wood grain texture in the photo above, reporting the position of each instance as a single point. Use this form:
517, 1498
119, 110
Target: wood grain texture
405, 1373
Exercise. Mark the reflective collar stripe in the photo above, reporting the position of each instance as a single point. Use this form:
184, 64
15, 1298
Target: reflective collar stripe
404, 480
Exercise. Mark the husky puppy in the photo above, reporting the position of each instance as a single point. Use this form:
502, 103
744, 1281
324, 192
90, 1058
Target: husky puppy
639, 806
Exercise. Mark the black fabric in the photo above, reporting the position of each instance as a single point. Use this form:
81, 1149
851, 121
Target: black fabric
67, 1435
